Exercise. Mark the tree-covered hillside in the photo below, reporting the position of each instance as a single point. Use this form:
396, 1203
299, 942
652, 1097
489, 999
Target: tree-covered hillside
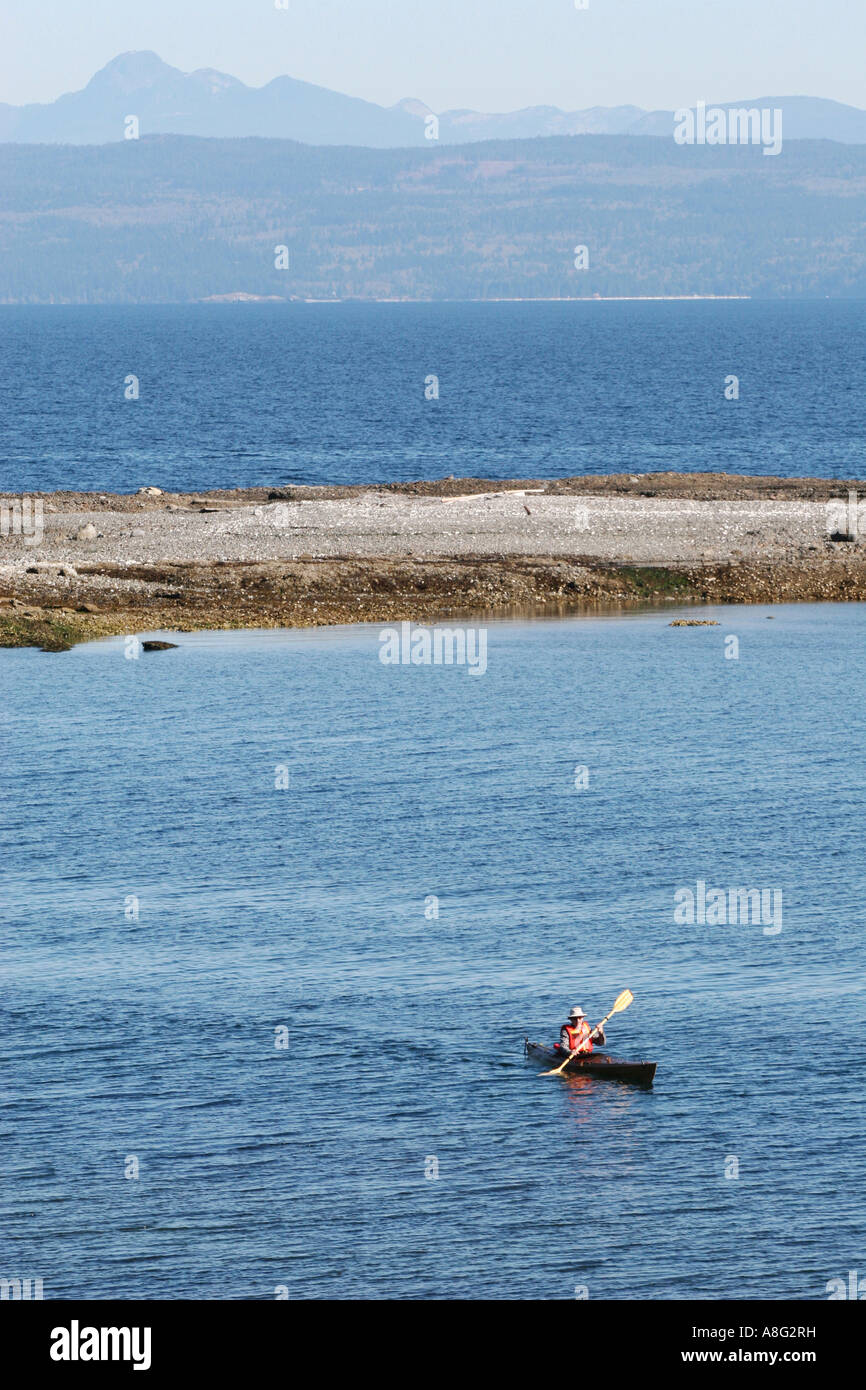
173, 218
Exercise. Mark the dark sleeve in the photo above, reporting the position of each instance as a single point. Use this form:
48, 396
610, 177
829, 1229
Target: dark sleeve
598, 1036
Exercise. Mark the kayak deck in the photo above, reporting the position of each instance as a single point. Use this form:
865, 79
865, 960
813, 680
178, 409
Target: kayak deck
597, 1064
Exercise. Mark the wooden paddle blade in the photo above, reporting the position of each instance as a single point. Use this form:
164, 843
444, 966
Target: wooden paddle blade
556, 1070
622, 1002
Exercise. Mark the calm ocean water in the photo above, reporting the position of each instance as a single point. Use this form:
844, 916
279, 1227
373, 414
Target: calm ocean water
262, 394
304, 908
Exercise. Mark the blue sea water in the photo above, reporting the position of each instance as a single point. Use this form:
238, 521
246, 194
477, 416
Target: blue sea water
267, 394
148, 1032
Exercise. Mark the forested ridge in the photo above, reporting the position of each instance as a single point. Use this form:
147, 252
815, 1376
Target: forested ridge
176, 219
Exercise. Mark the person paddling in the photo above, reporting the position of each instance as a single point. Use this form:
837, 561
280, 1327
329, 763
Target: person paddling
576, 1036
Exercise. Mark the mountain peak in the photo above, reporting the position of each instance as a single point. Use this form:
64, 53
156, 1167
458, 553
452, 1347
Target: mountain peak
413, 107
214, 80
129, 71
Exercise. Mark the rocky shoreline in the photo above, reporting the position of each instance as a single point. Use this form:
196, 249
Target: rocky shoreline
105, 564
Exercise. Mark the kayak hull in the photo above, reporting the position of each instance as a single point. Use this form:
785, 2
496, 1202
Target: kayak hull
597, 1064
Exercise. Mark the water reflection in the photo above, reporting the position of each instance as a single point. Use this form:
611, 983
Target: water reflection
584, 1102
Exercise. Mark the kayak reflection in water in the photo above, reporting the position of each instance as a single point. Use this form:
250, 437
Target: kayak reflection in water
576, 1036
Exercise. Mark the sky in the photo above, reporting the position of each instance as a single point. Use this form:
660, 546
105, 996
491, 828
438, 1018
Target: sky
491, 55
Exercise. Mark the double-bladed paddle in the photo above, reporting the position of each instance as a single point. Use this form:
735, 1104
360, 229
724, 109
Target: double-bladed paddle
623, 1001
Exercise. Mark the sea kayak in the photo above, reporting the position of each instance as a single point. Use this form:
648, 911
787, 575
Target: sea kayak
596, 1064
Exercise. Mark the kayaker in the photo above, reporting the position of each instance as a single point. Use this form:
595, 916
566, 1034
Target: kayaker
576, 1035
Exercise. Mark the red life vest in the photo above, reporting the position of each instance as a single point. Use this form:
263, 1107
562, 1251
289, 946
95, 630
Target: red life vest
579, 1037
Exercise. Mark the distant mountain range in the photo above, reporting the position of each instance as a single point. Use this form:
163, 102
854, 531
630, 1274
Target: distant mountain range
210, 103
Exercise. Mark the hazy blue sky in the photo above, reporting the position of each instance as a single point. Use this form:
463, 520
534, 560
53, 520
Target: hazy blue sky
488, 54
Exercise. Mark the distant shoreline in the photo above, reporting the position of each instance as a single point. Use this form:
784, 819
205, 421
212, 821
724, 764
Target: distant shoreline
610, 299
233, 299
243, 298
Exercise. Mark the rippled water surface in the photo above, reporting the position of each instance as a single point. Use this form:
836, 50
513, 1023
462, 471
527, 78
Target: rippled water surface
335, 393
304, 908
